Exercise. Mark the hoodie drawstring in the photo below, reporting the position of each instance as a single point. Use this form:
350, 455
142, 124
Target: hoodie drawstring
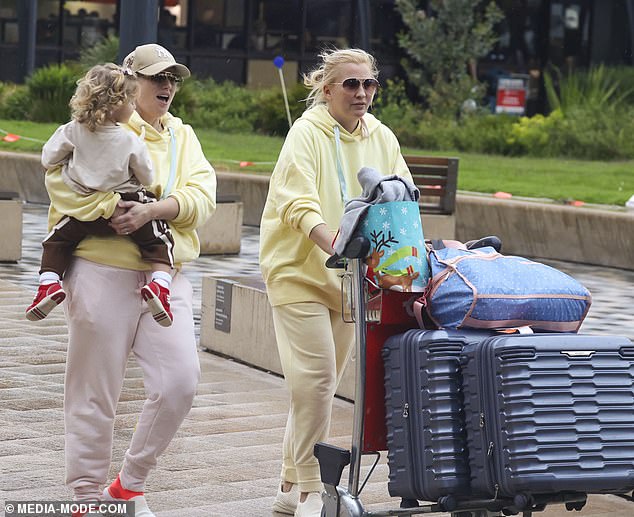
172, 176
342, 180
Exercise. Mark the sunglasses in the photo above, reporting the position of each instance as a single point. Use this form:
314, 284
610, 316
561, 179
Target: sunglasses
352, 84
159, 78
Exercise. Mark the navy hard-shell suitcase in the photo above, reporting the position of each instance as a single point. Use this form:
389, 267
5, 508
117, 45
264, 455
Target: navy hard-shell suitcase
426, 435
549, 413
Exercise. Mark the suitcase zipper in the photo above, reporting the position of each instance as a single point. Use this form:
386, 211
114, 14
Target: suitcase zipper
411, 423
489, 461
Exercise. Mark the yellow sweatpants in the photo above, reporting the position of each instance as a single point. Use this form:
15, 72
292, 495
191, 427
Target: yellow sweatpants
314, 344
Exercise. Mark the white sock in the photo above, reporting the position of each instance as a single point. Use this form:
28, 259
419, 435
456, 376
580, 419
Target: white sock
49, 277
162, 278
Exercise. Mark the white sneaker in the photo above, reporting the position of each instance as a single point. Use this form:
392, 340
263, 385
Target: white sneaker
141, 508
311, 507
286, 502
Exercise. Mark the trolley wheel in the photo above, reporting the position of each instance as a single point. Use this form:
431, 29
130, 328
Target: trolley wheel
523, 502
409, 503
447, 503
576, 506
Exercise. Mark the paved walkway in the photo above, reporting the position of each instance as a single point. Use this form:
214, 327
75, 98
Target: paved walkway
225, 458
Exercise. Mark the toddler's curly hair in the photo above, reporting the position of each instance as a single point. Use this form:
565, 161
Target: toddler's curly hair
102, 89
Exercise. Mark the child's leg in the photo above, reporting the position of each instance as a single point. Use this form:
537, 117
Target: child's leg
58, 247
157, 294
161, 273
156, 245
154, 238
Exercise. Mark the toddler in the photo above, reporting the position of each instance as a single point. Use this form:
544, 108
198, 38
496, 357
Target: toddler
98, 155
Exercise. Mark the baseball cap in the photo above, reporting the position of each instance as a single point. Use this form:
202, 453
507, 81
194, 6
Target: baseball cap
152, 59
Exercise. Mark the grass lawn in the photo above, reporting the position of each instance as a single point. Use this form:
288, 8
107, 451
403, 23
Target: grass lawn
610, 183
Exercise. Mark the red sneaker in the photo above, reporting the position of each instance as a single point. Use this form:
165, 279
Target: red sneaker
47, 298
158, 299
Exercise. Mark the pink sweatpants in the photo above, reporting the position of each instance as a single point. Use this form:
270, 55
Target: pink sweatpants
108, 319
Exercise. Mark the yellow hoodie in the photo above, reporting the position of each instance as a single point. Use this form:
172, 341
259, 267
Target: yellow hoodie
194, 188
305, 191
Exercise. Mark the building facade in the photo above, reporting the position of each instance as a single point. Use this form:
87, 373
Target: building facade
237, 39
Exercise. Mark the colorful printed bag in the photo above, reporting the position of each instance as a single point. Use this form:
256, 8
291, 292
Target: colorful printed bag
483, 289
398, 257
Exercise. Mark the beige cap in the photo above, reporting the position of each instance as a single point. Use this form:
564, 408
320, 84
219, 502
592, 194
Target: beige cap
152, 59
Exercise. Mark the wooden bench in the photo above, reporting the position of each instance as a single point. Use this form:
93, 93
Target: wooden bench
437, 180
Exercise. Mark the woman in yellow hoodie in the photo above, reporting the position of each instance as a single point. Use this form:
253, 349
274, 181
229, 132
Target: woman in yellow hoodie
107, 319
316, 173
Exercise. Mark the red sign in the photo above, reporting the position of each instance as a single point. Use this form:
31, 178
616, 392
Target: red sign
511, 96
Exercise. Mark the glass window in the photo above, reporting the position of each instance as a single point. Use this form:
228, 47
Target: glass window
276, 26
520, 32
385, 23
48, 22
569, 33
8, 21
328, 22
219, 24
86, 23
172, 24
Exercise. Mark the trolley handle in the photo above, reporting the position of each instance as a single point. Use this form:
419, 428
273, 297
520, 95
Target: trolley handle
357, 248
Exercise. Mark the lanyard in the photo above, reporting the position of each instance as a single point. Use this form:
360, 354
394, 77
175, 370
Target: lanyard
342, 180
172, 176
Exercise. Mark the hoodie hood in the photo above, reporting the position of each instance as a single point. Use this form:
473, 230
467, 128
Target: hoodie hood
321, 118
141, 127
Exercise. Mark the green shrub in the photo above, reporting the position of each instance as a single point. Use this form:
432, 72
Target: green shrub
623, 76
49, 91
270, 111
185, 101
394, 108
221, 106
533, 135
105, 51
594, 89
14, 103
580, 133
591, 119
484, 133
596, 134
442, 41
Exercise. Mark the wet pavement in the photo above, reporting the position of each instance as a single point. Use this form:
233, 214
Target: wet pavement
224, 460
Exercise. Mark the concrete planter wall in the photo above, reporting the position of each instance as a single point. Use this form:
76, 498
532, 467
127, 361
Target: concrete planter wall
250, 339
587, 235
24, 174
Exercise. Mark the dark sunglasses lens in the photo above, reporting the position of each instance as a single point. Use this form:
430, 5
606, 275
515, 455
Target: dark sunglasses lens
370, 84
351, 84
159, 78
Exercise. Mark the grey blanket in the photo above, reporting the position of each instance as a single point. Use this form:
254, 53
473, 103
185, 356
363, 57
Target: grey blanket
376, 189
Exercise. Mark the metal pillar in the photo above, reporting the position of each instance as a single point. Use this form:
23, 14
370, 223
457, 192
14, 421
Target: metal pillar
27, 26
629, 4
363, 7
138, 22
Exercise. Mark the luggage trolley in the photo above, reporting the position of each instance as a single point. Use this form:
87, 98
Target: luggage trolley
376, 317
